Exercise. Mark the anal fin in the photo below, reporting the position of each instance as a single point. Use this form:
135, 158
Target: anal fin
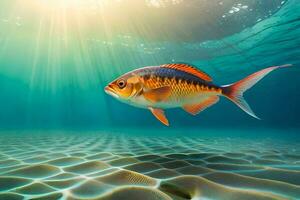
194, 109
160, 115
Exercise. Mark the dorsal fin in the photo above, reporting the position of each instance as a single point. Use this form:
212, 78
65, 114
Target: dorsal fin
189, 69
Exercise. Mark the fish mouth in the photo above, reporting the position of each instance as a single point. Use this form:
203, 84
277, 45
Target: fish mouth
109, 90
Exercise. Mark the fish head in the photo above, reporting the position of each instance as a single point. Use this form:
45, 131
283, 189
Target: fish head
124, 87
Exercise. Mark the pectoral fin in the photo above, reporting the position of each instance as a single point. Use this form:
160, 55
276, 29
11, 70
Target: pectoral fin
160, 115
197, 108
157, 94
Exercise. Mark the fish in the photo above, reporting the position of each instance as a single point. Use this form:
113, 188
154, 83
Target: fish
180, 85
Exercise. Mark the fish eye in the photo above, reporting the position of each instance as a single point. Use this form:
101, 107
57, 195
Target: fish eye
121, 83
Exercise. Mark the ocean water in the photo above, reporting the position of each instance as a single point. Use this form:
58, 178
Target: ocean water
62, 137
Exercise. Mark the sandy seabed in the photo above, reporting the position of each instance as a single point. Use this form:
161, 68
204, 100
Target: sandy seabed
122, 167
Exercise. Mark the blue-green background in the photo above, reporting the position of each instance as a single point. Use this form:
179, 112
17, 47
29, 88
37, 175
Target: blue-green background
54, 78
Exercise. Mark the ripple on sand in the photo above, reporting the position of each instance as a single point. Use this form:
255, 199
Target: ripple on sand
194, 170
236, 180
189, 187
35, 171
90, 189
87, 167
66, 161
271, 157
64, 184
8, 163
34, 189
268, 162
123, 161
103, 172
134, 192
196, 162
30, 154
36, 159
176, 156
7, 183
149, 157
223, 159
78, 154
11, 196
136, 168
52, 196
200, 155
163, 173
162, 160
288, 176
11, 168
143, 167
56, 155
3, 157
99, 156
233, 167
291, 157
126, 177
62, 176
175, 164
234, 155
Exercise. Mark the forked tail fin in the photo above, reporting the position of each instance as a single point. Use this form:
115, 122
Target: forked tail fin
235, 91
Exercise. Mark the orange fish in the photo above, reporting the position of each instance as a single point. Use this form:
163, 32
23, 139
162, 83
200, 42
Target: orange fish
179, 85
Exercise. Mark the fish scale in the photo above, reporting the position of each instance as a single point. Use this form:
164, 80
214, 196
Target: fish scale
180, 87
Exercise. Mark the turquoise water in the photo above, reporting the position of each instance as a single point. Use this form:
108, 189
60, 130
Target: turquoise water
52, 73
62, 137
